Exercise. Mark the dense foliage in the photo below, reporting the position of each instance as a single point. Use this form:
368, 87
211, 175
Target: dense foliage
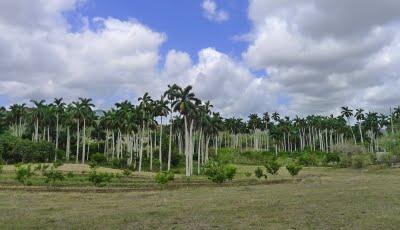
164, 177
219, 172
294, 168
15, 150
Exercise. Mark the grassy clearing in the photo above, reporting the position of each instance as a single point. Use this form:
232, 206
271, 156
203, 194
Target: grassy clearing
324, 199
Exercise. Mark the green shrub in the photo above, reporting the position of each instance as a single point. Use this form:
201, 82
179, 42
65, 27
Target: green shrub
119, 163
247, 174
308, 159
360, 160
259, 172
57, 163
99, 158
41, 167
164, 177
230, 171
92, 164
331, 158
53, 175
1, 168
272, 166
70, 174
14, 150
100, 179
127, 172
215, 171
24, 173
294, 168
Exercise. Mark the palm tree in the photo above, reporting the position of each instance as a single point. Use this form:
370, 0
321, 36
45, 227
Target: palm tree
59, 107
144, 107
360, 117
86, 106
170, 94
78, 113
162, 110
68, 121
186, 104
346, 112
37, 114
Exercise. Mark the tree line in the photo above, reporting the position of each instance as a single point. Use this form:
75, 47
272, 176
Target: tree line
137, 132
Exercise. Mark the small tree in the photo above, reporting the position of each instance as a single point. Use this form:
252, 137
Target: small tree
24, 173
259, 172
294, 168
230, 171
53, 175
164, 177
272, 166
100, 179
218, 172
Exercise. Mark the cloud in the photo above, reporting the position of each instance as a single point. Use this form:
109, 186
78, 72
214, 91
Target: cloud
44, 58
323, 56
211, 12
312, 64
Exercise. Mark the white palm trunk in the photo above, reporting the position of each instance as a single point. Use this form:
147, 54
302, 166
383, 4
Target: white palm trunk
77, 142
160, 147
84, 141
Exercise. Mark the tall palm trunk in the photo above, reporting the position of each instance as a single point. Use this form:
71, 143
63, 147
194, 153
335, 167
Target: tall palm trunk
141, 149
37, 130
160, 147
55, 155
68, 150
170, 144
84, 141
77, 141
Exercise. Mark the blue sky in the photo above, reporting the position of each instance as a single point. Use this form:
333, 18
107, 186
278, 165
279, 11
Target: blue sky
182, 21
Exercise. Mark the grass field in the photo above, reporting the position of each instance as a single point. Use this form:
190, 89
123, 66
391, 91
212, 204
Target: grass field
324, 199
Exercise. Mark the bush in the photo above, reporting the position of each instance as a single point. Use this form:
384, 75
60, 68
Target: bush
360, 161
331, 158
127, 172
14, 150
100, 179
164, 177
99, 158
1, 168
42, 168
24, 173
272, 166
70, 174
53, 176
259, 172
217, 172
119, 163
247, 174
294, 168
230, 171
57, 163
92, 164
348, 149
308, 159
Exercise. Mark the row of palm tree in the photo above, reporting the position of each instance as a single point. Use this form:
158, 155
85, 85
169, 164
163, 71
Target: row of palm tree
135, 131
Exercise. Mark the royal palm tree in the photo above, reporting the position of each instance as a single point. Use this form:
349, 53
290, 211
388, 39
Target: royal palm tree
186, 104
59, 107
359, 115
346, 112
37, 114
161, 110
87, 113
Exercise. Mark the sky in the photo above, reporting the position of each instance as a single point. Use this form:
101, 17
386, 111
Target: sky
245, 56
